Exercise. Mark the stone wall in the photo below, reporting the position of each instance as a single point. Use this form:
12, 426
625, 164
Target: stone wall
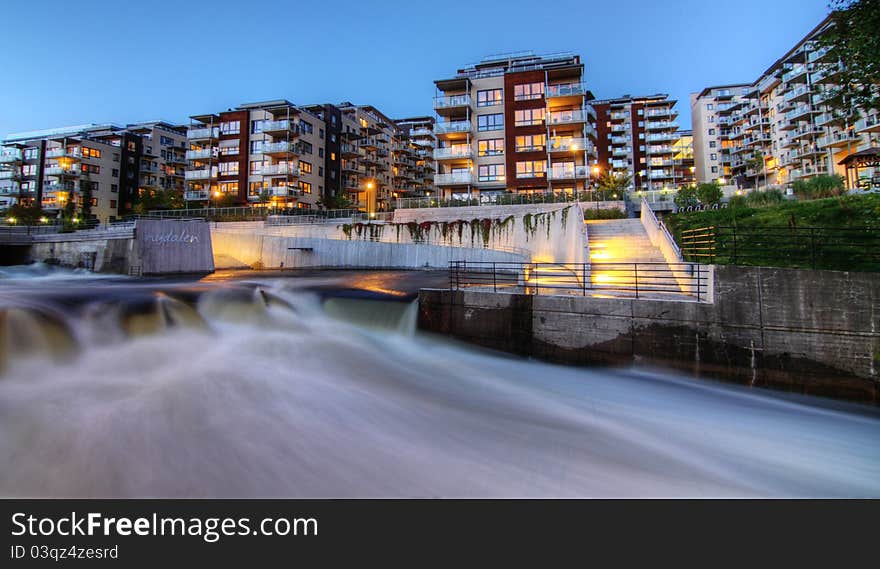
808, 331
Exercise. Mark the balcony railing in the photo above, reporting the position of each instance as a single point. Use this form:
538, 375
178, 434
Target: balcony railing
202, 133
202, 154
661, 136
661, 125
458, 178
75, 152
797, 93
201, 174
868, 124
565, 90
567, 117
451, 127
196, 195
283, 126
840, 138
568, 173
794, 73
421, 132
11, 155
797, 112
453, 153
452, 101
280, 170
283, 147
61, 171
9, 189
567, 145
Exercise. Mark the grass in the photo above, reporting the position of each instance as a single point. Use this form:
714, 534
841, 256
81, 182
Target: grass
779, 235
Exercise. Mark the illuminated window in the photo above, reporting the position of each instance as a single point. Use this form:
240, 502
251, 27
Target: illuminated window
491, 147
230, 127
90, 152
228, 168
491, 173
489, 98
229, 187
528, 117
305, 187
531, 169
528, 91
531, 143
305, 167
490, 122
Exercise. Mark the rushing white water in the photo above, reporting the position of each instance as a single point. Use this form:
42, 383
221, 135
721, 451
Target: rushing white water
250, 394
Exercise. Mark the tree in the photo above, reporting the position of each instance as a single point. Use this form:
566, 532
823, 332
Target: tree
615, 182
756, 163
853, 39
85, 187
686, 197
339, 201
709, 194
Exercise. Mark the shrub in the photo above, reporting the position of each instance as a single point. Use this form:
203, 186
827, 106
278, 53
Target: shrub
765, 198
824, 186
612, 213
738, 202
686, 197
709, 194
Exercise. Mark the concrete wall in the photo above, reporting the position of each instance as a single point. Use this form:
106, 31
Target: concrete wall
814, 332
258, 251
108, 255
173, 246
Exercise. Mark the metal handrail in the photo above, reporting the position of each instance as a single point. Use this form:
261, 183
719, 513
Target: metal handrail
671, 281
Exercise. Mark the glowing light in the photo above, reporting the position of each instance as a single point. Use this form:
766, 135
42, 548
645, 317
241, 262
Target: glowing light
370, 185
721, 180
10, 220
596, 169
44, 220
75, 220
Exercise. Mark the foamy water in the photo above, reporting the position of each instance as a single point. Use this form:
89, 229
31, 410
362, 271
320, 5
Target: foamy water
242, 396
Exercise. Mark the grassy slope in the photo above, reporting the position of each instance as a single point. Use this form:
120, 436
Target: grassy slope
860, 211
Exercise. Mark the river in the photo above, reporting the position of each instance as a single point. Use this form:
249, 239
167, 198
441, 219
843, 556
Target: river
317, 385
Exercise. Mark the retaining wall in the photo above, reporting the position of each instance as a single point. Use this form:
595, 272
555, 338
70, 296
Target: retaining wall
814, 332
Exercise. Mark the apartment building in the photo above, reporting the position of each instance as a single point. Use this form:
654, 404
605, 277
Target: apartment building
163, 161
684, 171
94, 169
636, 137
414, 157
293, 156
518, 123
778, 130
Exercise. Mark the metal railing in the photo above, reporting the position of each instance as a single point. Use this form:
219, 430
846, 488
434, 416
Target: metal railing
512, 199
255, 212
831, 248
671, 281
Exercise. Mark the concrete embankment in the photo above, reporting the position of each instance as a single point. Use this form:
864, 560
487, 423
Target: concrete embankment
814, 332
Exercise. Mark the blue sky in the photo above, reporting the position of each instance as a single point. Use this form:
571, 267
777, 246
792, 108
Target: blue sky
66, 63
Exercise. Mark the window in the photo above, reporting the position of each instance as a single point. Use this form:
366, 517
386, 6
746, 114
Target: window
31, 153
305, 167
321, 133
229, 149
711, 132
711, 144
709, 107
114, 188
528, 117
230, 127
531, 143
491, 147
713, 156
333, 157
112, 204
531, 169
256, 147
305, 147
94, 202
256, 188
712, 118
489, 98
93, 169
29, 170
714, 169
305, 187
257, 126
229, 187
228, 168
90, 152
255, 168
166, 141
306, 127
320, 171
116, 157
528, 91
491, 173
490, 122
320, 153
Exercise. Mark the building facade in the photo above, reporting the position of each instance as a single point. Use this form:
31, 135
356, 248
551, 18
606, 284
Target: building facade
290, 156
163, 161
777, 130
636, 137
517, 123
91, 171
414, 165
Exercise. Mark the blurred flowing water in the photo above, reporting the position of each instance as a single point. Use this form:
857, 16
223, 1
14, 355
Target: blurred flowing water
309, 386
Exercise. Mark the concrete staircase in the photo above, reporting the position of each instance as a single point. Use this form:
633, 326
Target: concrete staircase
625, 241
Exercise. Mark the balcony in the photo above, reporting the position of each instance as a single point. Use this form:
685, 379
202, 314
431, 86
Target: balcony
659, 174
452, 127
801, 93
567, 117
61, 171
421, 132
280, 170
839, 139
280, 148
10, 155
567, 145
619, 164
619, 115
74, 153
455, 179
10, 189
618, 128
660, 149
283, 191
818, 54
661, 136
204, 133
203, 154
200, 174
569, 172
281, 128
196, 195
868, 124
660, 113
825, 73
798, 113
661, 125
620, 152
797, 74
805, 132
453, 153
452, 104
